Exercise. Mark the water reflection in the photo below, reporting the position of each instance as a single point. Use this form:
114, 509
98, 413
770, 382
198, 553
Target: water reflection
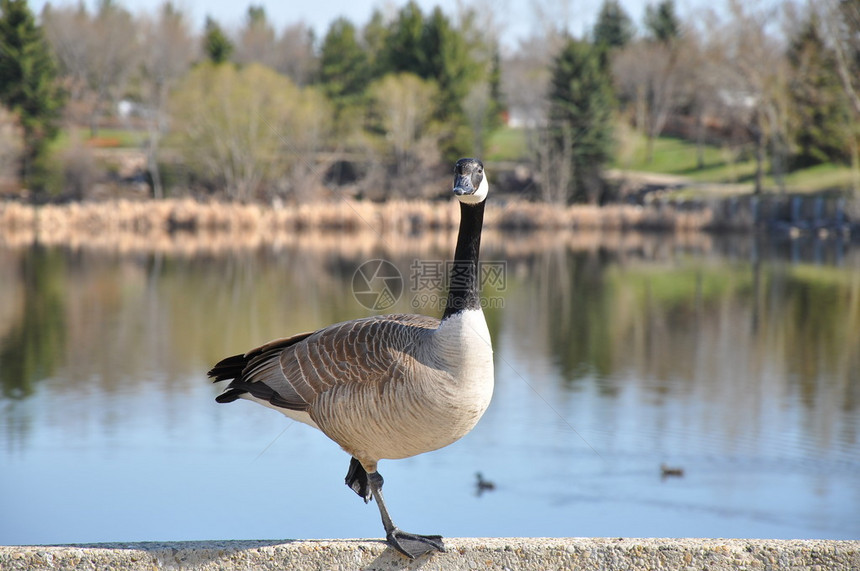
34, 334
736, 361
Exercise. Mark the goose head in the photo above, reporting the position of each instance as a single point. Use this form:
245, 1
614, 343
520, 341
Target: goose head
470, 181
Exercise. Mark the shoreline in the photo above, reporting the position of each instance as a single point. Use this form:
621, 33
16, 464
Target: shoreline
195, 226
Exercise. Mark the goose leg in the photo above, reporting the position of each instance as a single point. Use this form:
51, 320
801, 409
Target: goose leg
409, 544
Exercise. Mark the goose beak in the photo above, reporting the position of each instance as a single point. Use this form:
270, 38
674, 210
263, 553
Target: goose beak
463, 185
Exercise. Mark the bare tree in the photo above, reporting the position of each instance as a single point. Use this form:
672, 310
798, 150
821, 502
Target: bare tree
553, 17
256, 40
752, 72
67, 29
295, 49
111, 53
96, 52
167, 50
525, 78
655, 78
403, 109
554, 162
11, 146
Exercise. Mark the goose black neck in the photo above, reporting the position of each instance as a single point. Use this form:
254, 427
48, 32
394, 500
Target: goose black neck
463, 280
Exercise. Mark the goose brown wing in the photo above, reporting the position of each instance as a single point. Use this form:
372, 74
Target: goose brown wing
291, 373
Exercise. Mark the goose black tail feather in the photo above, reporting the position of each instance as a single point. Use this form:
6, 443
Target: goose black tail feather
233, 368
229, 368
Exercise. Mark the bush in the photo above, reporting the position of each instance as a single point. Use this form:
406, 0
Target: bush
245, 128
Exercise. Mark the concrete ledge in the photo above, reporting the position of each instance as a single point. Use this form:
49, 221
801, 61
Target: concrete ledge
463, 553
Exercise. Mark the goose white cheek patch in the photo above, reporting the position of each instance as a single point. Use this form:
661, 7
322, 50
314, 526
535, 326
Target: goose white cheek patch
479, 195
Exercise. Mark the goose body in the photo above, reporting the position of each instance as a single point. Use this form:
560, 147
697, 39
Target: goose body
386, 387
390, 386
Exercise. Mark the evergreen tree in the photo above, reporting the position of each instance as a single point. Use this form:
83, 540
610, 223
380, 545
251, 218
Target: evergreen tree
344, 65
28, 74
662, 22
822, 113
580, 116
434, 50
403, 49
216, 45
256, 16
445, 60
614, 28
373, 40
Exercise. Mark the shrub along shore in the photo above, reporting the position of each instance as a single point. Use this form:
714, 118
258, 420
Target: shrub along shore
169, 216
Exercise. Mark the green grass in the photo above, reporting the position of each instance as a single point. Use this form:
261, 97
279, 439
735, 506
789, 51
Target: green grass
721, 166
506, 144
822, 177
671, 156
124, 138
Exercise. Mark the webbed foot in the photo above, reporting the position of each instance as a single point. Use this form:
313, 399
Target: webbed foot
413, 545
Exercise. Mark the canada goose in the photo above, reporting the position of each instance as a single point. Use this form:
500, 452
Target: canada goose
389, 386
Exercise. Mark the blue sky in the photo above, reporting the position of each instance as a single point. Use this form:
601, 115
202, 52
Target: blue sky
516, 16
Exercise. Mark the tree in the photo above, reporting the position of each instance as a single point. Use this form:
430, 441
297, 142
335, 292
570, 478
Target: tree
662, 22
403, 111
447, 60
167, 58
11, 147
374, 36
752, 71
650, 72
296, 58
112, 56
67, 29
403, 50
650, 77
822, 113
28, 79
247, 129
98, 53
842, 19
580, 120
614, 28
344, 66
257, 41
434, 49
216, 45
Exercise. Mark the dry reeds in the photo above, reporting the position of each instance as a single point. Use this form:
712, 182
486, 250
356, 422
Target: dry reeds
181, 223
616, 217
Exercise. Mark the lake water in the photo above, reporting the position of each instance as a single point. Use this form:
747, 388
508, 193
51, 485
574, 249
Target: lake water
737, 361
